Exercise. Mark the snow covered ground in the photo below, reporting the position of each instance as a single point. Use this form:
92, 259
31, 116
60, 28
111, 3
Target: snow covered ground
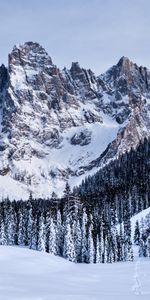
31, 275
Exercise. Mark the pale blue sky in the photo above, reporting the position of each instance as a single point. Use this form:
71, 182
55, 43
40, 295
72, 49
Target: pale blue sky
94, 32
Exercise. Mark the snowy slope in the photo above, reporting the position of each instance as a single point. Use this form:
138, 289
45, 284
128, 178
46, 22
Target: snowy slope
31, 275
138, 217
58, 161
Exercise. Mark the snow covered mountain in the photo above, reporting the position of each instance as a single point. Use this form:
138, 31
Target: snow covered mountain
59, 125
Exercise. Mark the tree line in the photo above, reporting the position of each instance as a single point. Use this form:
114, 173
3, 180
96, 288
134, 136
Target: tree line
90, 224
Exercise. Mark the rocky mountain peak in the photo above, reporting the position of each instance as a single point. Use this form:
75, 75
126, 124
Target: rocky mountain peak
29, 54
124, 68
128, 78
58, 125
75, 68
129, 69
77, 72
124, 61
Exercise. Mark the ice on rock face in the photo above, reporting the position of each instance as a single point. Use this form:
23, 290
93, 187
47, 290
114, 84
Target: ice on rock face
57, 125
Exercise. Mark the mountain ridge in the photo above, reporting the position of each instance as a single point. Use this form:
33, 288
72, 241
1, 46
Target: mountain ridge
56, 125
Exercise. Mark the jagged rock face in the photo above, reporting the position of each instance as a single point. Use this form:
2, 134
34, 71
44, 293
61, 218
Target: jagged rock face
126, 77
128, 84
60, 125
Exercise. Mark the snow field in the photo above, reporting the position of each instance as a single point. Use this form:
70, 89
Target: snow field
31, 275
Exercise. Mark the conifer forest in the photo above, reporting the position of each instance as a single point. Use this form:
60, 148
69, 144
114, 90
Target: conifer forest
92, 223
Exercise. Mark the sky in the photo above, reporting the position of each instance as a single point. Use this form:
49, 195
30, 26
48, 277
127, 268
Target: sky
96, 33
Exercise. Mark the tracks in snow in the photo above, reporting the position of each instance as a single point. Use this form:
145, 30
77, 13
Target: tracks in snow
137, 287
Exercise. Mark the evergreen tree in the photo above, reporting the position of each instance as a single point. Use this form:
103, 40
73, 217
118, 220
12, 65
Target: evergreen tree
21, 237
52, 238
90, 246
3, 239
77, 239
41, 243
59, 234
84, 237
68, 248
137, 233
10, 226
98, 251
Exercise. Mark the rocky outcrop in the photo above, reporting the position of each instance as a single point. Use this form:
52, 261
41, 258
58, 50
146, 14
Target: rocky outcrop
82, 139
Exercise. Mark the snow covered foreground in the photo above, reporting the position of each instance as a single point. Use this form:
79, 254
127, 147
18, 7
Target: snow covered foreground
31, 275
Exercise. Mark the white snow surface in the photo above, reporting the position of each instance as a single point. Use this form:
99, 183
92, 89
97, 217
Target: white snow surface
12, 189
31, 275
